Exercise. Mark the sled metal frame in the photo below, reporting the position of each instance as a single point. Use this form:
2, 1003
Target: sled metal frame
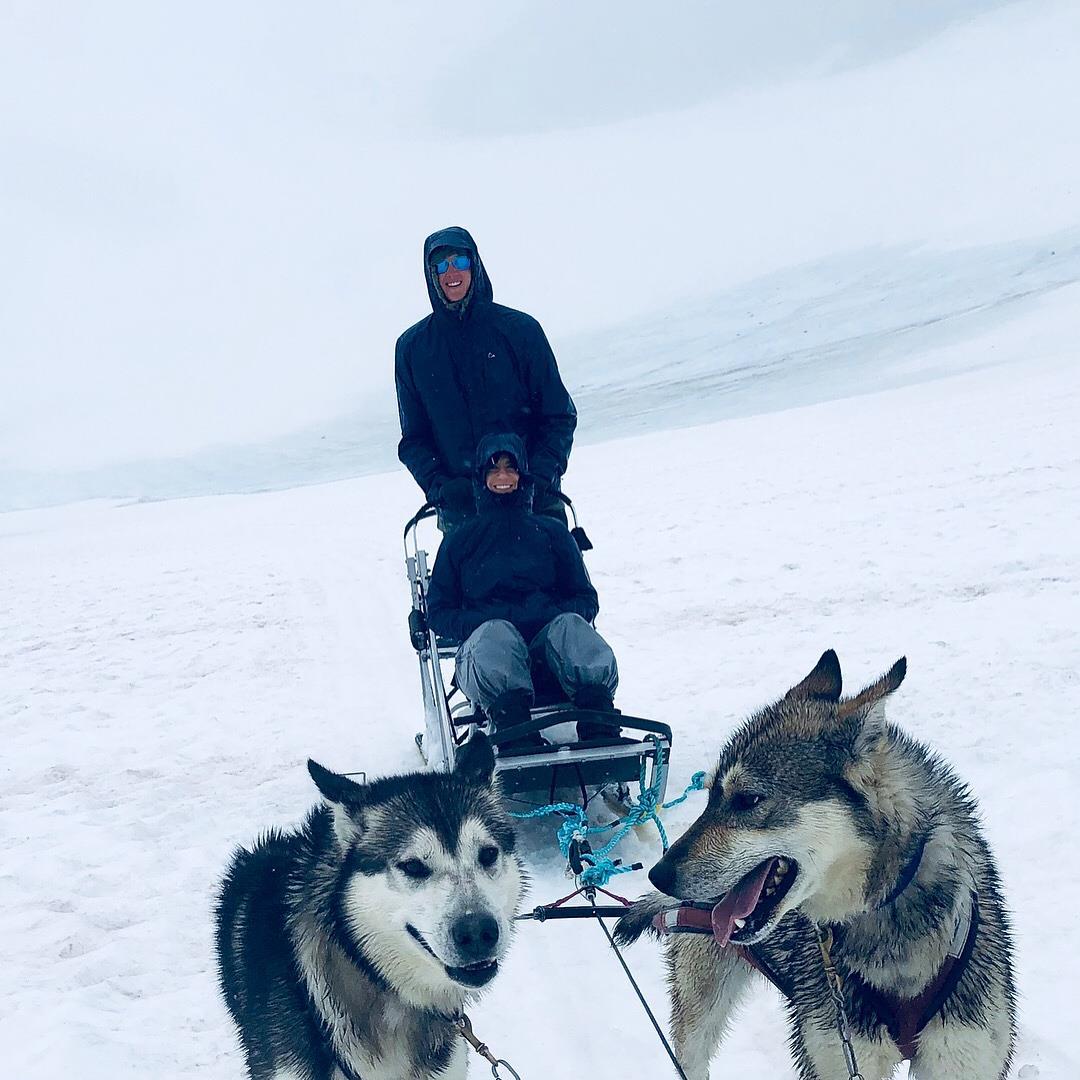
449, 724
439, 743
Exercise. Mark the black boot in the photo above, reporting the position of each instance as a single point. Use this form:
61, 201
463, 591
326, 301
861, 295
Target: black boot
507, 711
596, 699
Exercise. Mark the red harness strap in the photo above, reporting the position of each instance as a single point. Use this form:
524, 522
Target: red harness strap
905, 1018
759, 964
694, 918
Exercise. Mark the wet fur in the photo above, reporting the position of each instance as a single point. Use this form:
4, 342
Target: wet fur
316, 965
849, 796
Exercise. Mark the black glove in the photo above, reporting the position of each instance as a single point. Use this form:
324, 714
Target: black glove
434, 490
542, 485
456, 493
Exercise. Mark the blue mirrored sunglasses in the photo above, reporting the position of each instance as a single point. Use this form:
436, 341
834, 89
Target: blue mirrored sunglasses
458, 262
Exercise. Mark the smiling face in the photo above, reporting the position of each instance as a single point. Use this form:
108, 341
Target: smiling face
443, 912
429, 877
791, 817
752, 863
503, 477
455, 283
455, 903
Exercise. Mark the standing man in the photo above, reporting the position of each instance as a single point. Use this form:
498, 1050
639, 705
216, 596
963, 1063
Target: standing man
469, 369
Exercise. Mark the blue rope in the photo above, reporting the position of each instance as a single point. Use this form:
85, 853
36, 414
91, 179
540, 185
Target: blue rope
697, 783
601, 869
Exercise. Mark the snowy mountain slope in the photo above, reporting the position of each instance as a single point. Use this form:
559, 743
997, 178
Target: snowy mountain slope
168, 667
849, 324
845, 325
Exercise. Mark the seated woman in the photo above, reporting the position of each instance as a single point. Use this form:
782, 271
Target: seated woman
512, 587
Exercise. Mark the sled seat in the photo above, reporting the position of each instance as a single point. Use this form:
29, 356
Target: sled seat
449, 718
575, 763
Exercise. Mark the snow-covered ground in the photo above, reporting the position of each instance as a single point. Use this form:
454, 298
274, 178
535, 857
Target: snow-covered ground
167, 667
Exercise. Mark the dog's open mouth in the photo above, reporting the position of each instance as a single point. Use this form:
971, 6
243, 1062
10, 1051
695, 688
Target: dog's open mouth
747, 907
473, 975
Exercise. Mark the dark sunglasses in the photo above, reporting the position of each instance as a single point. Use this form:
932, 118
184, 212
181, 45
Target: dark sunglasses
458, 262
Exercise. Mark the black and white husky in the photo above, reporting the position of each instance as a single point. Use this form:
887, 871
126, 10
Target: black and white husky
349, 947
825, 820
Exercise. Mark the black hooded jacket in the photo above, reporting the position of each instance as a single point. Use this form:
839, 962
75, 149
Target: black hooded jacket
507, 562
473, 368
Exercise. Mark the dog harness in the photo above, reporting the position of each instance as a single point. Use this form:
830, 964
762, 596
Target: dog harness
904, 1018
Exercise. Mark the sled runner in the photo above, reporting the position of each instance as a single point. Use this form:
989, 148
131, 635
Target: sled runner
602, 767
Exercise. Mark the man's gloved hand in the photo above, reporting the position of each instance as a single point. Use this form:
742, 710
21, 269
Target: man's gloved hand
542, 484
545, 492
455, 493
434, 489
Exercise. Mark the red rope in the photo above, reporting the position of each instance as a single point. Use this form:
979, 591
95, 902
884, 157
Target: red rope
577, 892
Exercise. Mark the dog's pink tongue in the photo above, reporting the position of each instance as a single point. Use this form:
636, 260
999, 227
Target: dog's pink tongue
739, 902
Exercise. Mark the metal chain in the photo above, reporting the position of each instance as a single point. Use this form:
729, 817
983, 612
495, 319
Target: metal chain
836, 989
464, 1025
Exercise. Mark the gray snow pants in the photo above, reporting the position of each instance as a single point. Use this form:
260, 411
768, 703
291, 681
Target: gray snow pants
495, 658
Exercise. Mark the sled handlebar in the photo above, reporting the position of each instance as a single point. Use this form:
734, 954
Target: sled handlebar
562, 716
429, 509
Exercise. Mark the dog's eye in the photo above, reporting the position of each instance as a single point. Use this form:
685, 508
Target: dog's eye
414, 868
745, 800
488, 856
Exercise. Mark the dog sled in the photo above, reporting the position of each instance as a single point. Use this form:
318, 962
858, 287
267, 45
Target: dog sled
606, 768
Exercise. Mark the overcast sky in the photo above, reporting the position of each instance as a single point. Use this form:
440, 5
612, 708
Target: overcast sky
212, 212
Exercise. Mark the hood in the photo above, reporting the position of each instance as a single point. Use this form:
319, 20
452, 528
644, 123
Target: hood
488, 447
479, 291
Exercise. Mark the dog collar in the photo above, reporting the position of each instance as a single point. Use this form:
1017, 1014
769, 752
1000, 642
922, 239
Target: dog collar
907, 875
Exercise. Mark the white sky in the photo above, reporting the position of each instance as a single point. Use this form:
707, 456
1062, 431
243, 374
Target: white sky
212, 213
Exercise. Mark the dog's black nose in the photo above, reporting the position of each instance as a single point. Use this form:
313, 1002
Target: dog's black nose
663, 877
476, 936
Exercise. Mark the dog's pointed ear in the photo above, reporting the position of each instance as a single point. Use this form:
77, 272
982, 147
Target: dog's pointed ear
475, 761
345, 799
866, 710
872, 698
334, 787
823, 683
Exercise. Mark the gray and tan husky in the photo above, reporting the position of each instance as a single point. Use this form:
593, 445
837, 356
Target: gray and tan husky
826, 823
349, 947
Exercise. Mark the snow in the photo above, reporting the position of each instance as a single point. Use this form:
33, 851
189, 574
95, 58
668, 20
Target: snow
818, 302
169, 666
